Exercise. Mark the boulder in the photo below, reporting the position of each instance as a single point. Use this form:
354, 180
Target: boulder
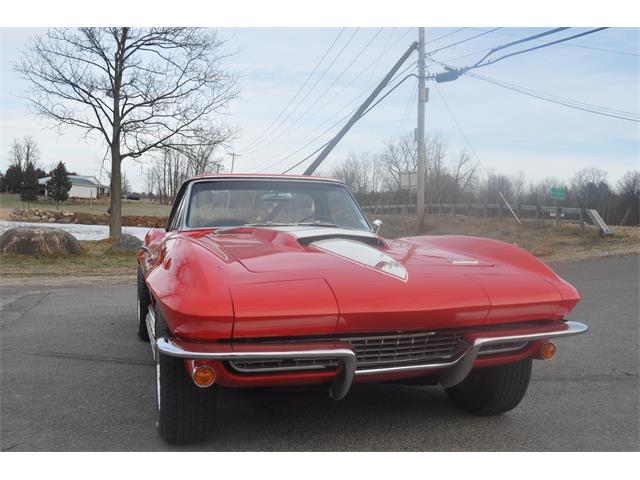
126, 244
38, 241
64, 220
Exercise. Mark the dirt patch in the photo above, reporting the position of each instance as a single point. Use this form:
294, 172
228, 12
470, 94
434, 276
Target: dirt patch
127, 220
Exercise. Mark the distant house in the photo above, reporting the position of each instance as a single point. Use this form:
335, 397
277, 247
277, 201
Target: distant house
82, 186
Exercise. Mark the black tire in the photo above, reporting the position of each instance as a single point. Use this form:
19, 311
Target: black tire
186, 412
492, 390
144, 301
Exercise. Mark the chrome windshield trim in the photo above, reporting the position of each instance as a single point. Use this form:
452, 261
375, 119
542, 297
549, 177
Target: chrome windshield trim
182, 226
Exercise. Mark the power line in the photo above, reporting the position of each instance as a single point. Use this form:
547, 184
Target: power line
307, 157
455, 121
294, 123
311, 89
597, 109
261, 135
338, 123
463, 41
522, 40
405, 114
567, 102
363, 114
571, 44
446, 35
537, 47
373, 64
564, 44
362, 72
471, 149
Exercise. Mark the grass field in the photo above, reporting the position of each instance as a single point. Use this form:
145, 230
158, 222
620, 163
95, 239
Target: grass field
538, 236
93, 261
129, 207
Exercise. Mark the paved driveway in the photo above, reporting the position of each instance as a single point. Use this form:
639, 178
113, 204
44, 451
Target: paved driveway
75, 377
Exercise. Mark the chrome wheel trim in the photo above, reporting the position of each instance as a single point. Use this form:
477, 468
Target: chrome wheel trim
158, 384
138, 310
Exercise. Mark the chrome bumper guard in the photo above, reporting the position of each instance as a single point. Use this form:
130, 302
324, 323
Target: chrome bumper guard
452, 373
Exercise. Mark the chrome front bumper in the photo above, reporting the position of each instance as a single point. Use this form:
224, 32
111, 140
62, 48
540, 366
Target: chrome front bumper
452, 372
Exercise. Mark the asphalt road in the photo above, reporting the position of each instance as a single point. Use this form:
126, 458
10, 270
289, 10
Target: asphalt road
75, 377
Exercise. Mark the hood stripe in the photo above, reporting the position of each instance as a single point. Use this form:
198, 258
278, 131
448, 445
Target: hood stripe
364, 255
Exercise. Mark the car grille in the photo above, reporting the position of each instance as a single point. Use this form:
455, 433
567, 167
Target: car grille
373, 351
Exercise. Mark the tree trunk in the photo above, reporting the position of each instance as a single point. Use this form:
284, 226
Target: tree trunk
115, 219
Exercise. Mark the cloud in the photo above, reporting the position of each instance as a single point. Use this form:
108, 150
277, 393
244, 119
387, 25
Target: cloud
508, 130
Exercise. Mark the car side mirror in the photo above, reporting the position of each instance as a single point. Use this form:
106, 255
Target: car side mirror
377, 226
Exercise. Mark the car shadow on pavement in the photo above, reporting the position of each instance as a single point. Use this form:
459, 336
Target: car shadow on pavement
372, 417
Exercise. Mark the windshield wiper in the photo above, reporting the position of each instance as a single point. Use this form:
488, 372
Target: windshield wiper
235, 227
268, 224
322, 223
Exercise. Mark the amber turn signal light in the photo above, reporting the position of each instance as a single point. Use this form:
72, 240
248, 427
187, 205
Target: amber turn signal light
547, 351
204, 376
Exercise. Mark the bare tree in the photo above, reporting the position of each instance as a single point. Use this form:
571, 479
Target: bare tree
150, 183
463, 174
140, 89
590, 188
199, 152
629, 192
349, 171
24, 152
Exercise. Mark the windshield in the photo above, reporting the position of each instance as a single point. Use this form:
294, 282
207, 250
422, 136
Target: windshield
228, 203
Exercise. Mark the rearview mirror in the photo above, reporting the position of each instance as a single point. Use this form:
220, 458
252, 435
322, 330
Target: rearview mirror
377, 225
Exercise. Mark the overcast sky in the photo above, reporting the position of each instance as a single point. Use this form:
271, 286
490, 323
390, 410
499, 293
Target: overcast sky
509, 131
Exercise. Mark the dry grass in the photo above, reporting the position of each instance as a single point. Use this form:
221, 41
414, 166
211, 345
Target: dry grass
94, 261
540, 237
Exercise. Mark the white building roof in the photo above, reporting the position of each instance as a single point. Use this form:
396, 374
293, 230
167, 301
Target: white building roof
78, 181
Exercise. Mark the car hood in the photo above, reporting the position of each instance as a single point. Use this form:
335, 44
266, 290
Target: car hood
331, 280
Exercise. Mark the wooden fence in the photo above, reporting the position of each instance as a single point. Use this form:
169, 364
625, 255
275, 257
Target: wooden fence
570, 214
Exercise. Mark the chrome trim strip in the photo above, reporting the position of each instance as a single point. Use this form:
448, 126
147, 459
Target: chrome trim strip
150, 321
454, 371
463, 366
297, 368
514, 346
344, 353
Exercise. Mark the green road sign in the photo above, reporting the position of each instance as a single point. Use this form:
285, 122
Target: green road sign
558, 193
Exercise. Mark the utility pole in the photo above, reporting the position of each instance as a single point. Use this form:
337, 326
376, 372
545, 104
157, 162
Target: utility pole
422, 94
233, 159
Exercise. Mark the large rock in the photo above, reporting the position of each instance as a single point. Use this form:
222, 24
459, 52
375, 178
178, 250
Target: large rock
126, 244
38, 241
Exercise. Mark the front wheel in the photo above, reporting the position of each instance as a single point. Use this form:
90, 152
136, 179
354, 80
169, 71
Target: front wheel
492, 390
142, 307
186, 412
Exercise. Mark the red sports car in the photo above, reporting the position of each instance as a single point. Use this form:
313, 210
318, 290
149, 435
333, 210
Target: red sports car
263, 281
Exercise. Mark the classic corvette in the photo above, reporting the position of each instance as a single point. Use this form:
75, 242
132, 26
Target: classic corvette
271, 280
